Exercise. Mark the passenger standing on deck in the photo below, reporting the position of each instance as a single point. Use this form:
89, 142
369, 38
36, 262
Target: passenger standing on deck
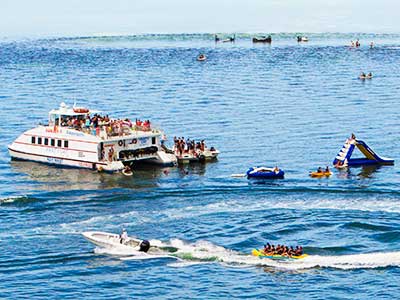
123, 237
111, 154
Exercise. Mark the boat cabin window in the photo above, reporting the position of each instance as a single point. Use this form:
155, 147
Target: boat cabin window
53, 142
59, 143
46, 141
33, 140
39, 140
153, 140
65, 144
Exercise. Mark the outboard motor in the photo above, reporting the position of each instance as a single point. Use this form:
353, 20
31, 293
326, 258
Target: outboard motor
144, 246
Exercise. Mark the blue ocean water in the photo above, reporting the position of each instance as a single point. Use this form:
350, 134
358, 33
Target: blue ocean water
288, 104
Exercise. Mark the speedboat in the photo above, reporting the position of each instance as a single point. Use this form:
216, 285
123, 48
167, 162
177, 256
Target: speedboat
261, 254
131, 246
109, 240
302, 39
265, 173
264, 39
230, 39
80, 137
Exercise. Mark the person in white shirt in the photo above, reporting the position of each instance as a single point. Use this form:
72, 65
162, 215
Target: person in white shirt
123, 236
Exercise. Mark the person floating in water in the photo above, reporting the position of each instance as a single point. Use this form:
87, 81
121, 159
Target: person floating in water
371, 45
201, 57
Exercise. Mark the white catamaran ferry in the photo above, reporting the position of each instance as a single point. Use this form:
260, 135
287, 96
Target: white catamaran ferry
79, 137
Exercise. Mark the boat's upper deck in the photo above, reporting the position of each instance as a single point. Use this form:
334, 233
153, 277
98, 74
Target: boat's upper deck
96, 124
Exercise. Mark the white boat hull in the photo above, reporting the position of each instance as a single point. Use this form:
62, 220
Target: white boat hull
108, 240
19, 155
129, 247
66, 162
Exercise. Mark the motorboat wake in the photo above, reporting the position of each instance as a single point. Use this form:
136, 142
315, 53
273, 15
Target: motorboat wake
200, 252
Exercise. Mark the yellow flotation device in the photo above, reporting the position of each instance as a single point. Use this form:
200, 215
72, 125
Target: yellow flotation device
261, 254
321, 174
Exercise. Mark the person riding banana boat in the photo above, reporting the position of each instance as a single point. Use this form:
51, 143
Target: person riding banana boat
280, 251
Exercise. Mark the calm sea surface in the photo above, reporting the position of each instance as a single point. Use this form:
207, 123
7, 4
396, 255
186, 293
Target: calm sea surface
288, 104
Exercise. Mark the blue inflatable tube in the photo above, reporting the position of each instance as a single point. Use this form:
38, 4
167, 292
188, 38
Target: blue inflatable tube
264, 173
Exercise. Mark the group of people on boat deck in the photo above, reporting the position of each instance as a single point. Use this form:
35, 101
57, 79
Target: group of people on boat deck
97, 123
187, 146
142, 125
282, 250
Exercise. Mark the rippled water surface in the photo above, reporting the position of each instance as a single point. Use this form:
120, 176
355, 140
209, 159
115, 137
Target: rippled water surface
287, 103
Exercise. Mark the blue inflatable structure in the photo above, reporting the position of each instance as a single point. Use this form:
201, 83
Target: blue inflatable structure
264, 173
343, 159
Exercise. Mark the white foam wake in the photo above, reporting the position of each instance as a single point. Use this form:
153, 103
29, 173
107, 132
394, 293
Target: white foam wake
204, 251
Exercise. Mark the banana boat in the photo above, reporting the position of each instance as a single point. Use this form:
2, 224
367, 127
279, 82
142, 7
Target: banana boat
260, 253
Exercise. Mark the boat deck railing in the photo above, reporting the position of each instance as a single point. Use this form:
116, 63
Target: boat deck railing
107, 132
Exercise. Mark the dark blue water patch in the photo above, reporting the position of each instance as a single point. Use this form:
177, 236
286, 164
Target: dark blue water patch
387, 237
18, 265
366, 226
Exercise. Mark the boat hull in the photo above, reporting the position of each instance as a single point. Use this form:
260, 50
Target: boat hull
109, 240
55, 161
320, 174
204, 156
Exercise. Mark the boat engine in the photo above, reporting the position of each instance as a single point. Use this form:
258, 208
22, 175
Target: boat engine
144, 246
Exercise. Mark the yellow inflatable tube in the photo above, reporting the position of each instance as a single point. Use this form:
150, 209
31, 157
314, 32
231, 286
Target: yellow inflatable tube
320, 174
261, 254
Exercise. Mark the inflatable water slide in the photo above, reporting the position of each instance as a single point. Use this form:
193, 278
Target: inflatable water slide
343, 158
